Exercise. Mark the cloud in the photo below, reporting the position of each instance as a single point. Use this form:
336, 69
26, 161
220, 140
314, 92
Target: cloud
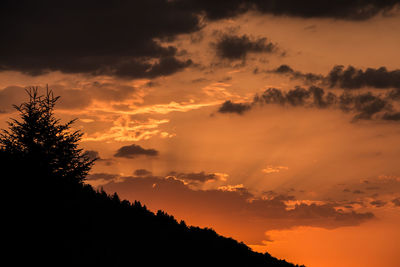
125, 128
353, 78
396, 202
392, 116
274, 169
394, 94
349, 78
365, 106
287, 70
130, 39
194, 178
234, 47
142, 172
230, 107
231, 188
163, 67
122, 38
132, 151
348, 10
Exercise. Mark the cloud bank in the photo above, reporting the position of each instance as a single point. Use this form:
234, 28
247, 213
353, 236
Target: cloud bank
364, 105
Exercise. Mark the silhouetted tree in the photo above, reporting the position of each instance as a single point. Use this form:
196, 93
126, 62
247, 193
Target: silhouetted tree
39, 138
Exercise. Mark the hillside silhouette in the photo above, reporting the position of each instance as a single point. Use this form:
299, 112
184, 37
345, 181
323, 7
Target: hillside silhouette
52, 218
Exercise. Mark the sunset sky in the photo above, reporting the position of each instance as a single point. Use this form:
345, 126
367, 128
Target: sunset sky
276, 123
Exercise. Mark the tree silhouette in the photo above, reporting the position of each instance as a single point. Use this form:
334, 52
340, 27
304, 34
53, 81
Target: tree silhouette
40, 138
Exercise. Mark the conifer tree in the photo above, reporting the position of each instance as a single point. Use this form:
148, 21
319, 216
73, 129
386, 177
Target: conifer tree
40, 139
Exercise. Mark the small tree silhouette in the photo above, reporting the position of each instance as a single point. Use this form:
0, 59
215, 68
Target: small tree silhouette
40, 139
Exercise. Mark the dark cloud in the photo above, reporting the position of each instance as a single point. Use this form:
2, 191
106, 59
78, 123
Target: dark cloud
365, 106
284, 69
248, 216
93, 37
134, 151
314, 96
234, 47
128, 38
143, 69
349, 78
215, 10
348, 10
308, 77
392, 116
320, 99
142, 172
297, 96
353, 78
230, 107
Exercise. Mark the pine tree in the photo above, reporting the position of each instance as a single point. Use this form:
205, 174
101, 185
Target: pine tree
40, 139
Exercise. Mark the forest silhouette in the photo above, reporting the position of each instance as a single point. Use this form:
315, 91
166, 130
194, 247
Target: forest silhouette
53, 218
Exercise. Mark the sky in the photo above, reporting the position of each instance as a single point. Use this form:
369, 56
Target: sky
276, 123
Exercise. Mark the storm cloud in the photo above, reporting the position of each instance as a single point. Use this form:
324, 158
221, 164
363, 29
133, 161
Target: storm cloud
129, 39
93, 37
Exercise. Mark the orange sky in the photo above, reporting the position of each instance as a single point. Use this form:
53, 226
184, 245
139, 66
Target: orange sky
315, 186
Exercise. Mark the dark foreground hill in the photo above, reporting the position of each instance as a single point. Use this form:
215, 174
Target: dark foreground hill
61, 222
